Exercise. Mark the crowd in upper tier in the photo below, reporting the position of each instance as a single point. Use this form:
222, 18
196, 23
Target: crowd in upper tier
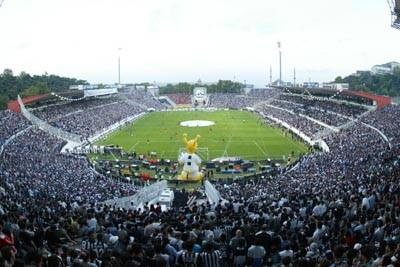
233, 101
340, 208
89, 122
143, 98
349, 110
325, 116
303, 124
11, 123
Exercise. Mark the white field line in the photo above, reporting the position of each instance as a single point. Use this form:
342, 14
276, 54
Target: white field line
260, 148
225, 154
112, 154
133, 147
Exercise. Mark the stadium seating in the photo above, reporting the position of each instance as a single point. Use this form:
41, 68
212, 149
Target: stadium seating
180, 99
340, 208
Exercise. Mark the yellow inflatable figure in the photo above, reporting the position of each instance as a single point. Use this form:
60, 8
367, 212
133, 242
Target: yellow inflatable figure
191, 162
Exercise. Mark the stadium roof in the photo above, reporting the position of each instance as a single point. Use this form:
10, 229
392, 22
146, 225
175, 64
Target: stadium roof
14, 106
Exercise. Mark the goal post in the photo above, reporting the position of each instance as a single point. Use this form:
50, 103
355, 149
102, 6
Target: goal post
202, 152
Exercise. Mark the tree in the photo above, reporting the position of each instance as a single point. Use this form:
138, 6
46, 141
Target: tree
38, 89
381, 84
3, 102
222, 86
24, 83
339, 79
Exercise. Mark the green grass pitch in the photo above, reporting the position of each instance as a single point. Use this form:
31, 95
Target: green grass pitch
235, 134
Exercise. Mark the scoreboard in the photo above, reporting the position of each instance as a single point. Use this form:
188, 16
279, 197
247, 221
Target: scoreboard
200, 96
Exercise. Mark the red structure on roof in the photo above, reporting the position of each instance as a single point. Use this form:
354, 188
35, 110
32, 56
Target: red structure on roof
73, 94
14, 106
380, 101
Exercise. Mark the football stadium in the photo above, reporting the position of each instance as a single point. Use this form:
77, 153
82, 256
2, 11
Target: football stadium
196, 174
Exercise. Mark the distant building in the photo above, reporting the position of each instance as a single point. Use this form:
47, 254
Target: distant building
287, 84
387, 68
153, 89
277, 83
140, 87
336, 86
311, 85
248, 88
84, 87
361, 72
76, 87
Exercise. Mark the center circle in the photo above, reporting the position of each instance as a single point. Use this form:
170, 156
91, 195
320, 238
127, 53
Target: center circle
197, 123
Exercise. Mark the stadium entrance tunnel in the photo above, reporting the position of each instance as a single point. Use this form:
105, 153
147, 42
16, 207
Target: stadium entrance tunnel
197, 123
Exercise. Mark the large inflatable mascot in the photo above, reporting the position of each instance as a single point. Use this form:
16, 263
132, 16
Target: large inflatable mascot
191, 162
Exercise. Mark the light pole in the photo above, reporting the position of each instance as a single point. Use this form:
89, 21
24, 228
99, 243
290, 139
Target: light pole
270, 75
119, 66
294, 77
280, 63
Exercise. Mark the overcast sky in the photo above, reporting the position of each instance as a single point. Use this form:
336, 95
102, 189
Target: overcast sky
184, 40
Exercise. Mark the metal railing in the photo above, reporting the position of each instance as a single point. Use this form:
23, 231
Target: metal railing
47, 127
146, 194
212, 194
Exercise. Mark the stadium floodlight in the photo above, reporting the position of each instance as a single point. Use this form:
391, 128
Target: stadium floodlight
395, 13
119, 66
280, 62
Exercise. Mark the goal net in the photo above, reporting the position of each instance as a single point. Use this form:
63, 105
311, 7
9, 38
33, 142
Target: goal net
202, 152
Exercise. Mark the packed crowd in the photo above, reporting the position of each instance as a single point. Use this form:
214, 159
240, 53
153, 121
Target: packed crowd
336, 209
349, 110
233, 101
326, 111
89, 116
33, 167
52, 112
332, 209
383, 120
92, 121
332, 119
11, 123
303, 124
324, 116
341, 95
144, 98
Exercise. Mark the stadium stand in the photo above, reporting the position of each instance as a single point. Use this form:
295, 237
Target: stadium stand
233, 101
340, 208
144, 98
180, 99
11, 123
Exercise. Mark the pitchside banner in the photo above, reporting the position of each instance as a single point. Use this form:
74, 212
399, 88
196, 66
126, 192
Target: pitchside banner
99, 92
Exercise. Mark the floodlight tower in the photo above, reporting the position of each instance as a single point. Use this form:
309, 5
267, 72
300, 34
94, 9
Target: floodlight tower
395, 12
119, 66
294, 77
270, 75
280, 63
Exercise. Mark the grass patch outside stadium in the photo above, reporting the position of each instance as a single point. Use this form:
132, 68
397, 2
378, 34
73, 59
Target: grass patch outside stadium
234, 134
